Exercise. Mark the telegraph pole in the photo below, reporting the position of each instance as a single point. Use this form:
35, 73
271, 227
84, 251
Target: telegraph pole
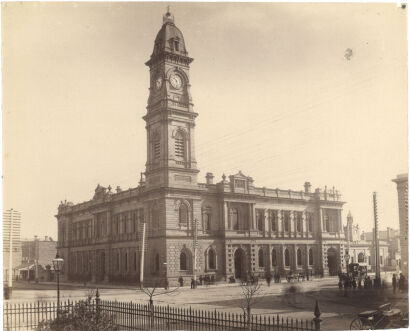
376, 237
142, 246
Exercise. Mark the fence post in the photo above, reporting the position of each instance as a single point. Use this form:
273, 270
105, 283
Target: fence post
317, 319
97, 304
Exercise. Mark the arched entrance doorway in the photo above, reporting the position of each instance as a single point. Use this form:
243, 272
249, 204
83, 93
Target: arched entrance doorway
240, 270
332, 261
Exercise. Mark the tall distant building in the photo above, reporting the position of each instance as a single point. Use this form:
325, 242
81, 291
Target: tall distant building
11, 244
235, 227
402, 191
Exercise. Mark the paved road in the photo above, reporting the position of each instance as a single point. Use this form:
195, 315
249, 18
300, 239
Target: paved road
337, 310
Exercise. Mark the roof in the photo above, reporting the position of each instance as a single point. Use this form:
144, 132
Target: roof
168, 36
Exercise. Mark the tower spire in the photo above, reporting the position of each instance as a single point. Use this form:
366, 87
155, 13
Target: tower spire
168, 17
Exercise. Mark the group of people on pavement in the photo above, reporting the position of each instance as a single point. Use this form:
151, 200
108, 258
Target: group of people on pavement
347, 281
402, 283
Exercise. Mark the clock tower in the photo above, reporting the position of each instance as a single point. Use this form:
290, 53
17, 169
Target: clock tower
170, 119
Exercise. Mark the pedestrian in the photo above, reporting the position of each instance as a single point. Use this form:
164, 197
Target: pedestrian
354, 283
401, 282
166, 284
181, 281
268, 279
192, 283
200, 279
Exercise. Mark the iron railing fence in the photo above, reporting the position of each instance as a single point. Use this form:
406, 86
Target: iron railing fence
135, 316
27, 316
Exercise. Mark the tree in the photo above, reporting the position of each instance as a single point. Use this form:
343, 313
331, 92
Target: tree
251, 294
154, 291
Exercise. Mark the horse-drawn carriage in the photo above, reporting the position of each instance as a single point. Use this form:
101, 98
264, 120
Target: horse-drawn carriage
383, 317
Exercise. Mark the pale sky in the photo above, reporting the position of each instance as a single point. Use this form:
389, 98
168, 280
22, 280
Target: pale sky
275, 94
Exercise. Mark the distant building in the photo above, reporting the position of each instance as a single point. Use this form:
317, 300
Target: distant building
37, 255
362, 250
11, 240
392, 238
402, 191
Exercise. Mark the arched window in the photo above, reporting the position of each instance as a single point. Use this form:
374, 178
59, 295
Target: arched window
310, 256
286, 222
179, 145
156, 263
206, 218
274, 261
183, 265
287, 258
234, 218
211, 259
360, 258
183, 214
261, 261
299, 257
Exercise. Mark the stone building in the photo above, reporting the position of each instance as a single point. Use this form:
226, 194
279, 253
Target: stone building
402, 191
361, 247
226, 228
36, 261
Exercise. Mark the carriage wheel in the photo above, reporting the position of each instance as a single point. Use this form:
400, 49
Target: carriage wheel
357, 324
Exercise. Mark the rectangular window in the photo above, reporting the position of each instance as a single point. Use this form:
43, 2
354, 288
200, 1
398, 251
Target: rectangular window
240, 183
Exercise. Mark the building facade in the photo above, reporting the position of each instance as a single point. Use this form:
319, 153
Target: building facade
37, 257
362, 249
227, 228
402, 191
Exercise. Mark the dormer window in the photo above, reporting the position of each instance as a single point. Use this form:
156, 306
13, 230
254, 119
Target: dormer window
176, 45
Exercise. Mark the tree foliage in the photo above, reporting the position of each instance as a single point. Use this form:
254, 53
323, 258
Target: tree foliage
83, 317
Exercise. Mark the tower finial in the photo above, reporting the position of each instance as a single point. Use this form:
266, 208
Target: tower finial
168, 17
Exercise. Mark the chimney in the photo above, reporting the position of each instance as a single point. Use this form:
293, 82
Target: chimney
209, 178
45, 238
35, 237
307, 187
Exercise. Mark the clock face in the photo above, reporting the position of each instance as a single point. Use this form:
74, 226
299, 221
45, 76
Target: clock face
176, 81
158, 82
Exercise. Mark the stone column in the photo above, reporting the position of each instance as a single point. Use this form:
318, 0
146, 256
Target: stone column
266, 221
304, 225
295, 262
226, 215
320, 216
292, 230
253, 216
279, 225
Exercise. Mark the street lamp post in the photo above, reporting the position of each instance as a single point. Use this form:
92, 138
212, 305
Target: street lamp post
58, 266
